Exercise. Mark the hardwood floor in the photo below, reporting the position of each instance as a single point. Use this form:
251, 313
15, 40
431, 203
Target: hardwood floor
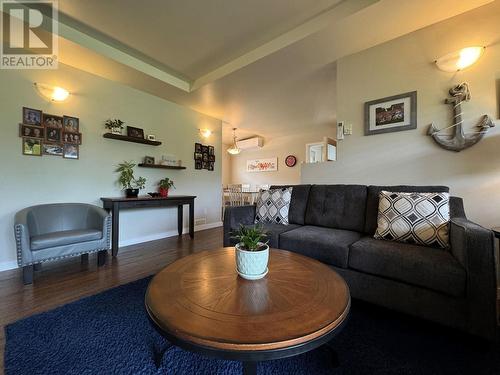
65, 281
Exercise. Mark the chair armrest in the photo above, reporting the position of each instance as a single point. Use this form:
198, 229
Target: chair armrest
235, 216
22, 236
474, 247
96, 218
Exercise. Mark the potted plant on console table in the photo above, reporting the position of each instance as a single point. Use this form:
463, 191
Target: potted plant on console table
164, 185
252, 253
127, 181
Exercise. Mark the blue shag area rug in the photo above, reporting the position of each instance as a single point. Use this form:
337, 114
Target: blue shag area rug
110, 333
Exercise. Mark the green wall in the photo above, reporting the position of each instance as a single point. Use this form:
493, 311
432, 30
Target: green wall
28, 180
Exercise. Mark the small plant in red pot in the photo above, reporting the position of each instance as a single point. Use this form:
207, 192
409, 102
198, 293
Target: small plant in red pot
164, 185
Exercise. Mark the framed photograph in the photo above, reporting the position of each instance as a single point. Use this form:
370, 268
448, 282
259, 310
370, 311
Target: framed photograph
53, 135
198, 156
73, 138
70, 151
210, 166
262, 165
391, 114
205, 157
197, 164
30, 131
151, 137
52, 149
197, 147
71, 124
204, 149
32, 146
211, 158
135, 132
32, 116
211, 150
204, 165
52, 121
149, 160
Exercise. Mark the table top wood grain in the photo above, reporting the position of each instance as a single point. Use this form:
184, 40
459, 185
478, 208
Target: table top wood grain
200, 299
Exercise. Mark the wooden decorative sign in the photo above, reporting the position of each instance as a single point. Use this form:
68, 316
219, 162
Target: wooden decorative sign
46, 134
262, 165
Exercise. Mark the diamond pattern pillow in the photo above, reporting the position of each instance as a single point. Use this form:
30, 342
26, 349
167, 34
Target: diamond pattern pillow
417, 218
273, 206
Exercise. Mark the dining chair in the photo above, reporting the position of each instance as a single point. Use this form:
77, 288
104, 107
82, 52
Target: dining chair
235, 196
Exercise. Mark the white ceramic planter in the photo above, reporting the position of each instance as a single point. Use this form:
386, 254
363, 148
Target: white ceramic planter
252, 265
116, 131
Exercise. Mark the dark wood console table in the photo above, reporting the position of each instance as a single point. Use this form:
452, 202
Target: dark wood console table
114, 205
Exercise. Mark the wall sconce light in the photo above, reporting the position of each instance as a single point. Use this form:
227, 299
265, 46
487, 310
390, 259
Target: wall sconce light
205, 133
459, 60
52, 93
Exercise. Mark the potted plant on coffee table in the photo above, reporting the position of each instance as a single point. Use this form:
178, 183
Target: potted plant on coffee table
127, 181
115, 126
252, 252
164, 185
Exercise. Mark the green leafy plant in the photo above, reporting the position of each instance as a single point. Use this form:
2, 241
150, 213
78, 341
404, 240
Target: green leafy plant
114, 124
166, 183
251, 238
127, 179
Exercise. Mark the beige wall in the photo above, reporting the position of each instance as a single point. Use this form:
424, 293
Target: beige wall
28, 180
226, 166
279, 147
411, 157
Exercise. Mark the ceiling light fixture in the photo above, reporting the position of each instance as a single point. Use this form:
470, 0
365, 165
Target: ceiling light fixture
52, 93
459, 60
234, 150
205, 133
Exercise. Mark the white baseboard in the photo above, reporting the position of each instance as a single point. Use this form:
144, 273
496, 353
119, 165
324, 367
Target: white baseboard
9, 265
170, 233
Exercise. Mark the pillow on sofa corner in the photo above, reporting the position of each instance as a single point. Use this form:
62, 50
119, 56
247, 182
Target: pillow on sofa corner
273, 206
417, 218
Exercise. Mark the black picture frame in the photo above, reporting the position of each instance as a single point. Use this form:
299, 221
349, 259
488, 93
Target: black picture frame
198, 156
52, 121
71, 124
31, 131
53, 135
198, 164
32, 116
197, 147
72, 138
211, 158
204, 149
211, 150
210, 166
134, 132
149, 160
389, 115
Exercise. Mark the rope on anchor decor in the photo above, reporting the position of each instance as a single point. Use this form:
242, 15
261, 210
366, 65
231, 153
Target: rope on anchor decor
459, 140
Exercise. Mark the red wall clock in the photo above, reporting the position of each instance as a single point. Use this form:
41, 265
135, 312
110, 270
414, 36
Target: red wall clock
290, 161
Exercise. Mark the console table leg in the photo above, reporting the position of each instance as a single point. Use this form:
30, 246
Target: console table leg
191, 220
116, 229
180, 219
249, 368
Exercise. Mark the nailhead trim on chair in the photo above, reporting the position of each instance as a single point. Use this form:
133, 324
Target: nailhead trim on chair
18, 231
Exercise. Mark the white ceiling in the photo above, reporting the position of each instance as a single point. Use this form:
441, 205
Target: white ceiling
286, 91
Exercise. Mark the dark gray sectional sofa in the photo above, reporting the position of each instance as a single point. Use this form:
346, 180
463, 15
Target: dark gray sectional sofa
335, 224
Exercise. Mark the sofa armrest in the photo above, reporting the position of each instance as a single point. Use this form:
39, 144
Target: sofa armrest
474, 247
98, 218
234, 216
22, 237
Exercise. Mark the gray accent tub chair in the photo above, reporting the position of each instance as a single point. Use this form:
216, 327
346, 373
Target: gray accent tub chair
335, 224
56, 231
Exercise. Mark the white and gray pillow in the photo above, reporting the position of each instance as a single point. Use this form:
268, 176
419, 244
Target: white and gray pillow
273, 206
417, 218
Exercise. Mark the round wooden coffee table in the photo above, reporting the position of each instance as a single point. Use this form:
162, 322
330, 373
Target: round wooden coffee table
199, 303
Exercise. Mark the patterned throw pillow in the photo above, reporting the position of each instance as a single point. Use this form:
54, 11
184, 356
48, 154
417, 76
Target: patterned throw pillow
273, 206
418, 218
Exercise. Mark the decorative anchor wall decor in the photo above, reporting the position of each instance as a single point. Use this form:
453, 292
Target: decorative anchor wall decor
459, 140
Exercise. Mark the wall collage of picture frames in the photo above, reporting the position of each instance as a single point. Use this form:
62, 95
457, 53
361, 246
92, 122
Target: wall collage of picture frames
204, 157
46, 134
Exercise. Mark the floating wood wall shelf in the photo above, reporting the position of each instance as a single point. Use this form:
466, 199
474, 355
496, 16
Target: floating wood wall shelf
159, 166
131, 139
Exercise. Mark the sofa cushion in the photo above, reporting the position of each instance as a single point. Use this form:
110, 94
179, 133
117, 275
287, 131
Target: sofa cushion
65, 237
416, 218
373, 198
337, 206
273, 206
298, 204
412, 264
330, 246
274, 231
